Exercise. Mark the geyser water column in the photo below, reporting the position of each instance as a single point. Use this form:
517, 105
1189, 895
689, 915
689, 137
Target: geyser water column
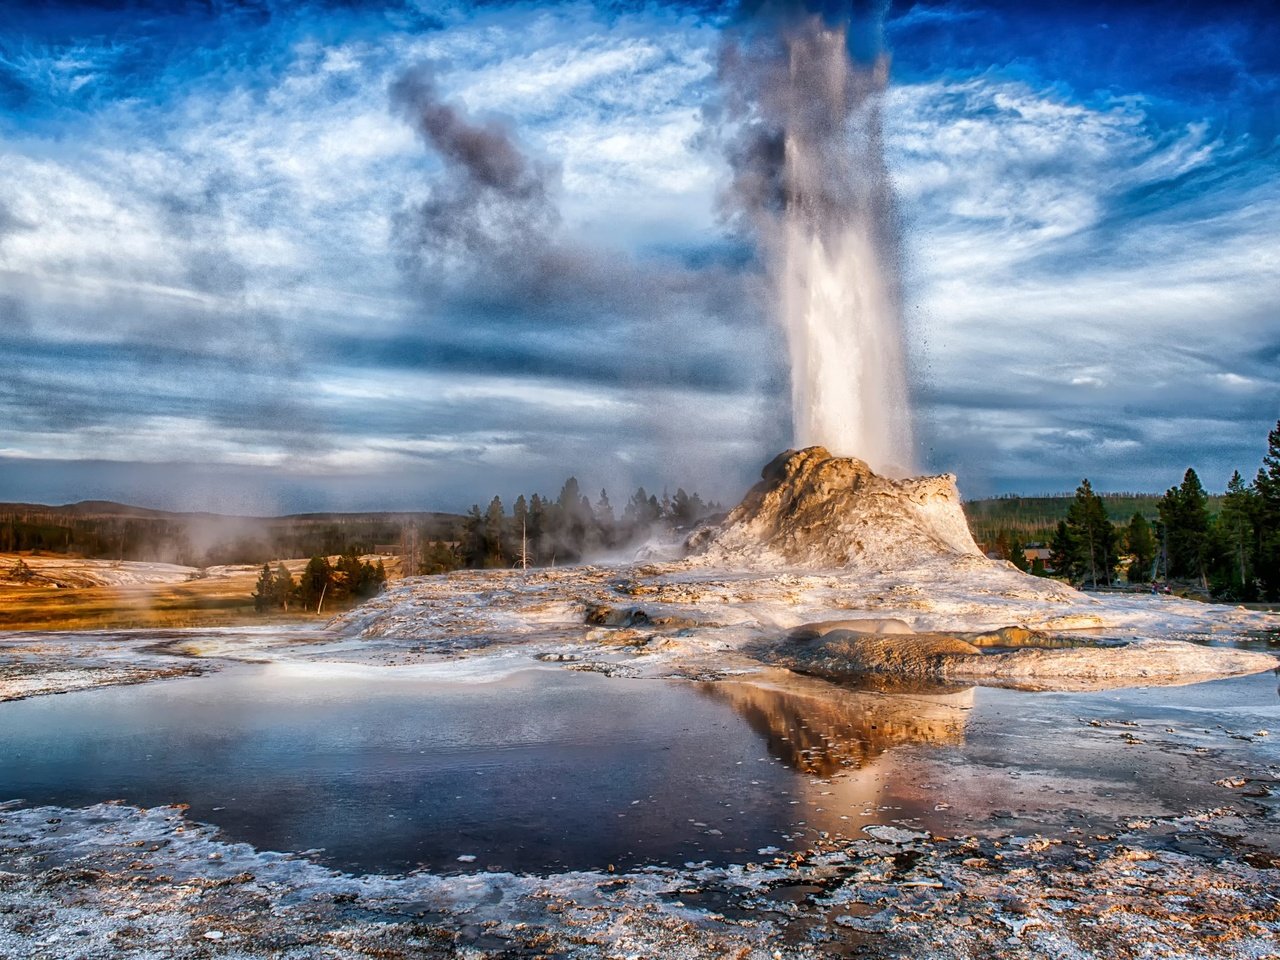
810, 178
836, 282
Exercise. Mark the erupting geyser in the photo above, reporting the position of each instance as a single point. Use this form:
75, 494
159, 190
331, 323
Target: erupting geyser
810, 180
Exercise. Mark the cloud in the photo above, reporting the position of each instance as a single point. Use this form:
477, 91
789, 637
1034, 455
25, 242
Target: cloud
219, 275
218, 247
488, 244
1112, 267
491, 211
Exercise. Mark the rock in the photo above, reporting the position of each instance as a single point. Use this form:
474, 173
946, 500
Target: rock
1032, 661
896, 835
843, 653
817, 511
865, 625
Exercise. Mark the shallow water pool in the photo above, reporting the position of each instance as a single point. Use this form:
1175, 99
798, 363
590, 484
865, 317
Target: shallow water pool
546, 769
549, 769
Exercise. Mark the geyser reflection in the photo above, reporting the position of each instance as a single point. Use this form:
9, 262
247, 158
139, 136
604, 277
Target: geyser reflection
810, 181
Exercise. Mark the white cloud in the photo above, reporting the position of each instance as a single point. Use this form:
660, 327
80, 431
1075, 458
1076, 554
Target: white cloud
1073, 259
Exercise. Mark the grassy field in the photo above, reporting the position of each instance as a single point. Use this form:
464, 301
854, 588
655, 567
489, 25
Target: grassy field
99, 608
220, 600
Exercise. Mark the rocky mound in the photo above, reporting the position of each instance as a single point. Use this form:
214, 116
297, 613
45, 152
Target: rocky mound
817, 511
841, 650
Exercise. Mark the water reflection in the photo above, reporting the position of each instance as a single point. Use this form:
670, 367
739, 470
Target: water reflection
821, 728
543, 769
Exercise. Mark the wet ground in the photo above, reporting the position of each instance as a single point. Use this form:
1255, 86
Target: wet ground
482, 774
546, 770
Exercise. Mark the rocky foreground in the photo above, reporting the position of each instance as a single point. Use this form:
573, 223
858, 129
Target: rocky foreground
825, 570
114, 881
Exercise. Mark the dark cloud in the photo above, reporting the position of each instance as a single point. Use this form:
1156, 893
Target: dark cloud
504, 291
492, 209
14, 317
60, 386
486, 247
207, 364
702, 367
197, 219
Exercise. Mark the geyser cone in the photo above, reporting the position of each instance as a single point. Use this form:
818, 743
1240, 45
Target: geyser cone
818, 511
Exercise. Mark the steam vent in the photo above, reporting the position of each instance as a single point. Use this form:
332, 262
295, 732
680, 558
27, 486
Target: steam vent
815, 510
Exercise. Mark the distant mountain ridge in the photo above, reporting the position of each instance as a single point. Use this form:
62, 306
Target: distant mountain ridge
110, 509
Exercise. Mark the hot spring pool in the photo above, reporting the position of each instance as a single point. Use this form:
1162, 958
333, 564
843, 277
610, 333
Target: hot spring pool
546, 769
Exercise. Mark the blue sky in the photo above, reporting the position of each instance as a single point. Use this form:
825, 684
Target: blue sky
214, 292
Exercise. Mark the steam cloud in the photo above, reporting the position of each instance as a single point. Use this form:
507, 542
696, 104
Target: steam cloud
493, 202
486, 247
800, 122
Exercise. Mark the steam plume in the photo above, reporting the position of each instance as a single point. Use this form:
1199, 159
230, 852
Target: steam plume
802, 96
494, 202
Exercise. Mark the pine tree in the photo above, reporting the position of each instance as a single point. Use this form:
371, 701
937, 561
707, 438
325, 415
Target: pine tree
1184, 513
283, 587
495, 554
570, 497
1063, 553
642, 510
264, 594
1018, 556
1267, 531
537, 526
1141, 544
681, 513
604, 510
473, 546
313, 587
349, 575
438, 557
1092, 536
21, 573
1236, 524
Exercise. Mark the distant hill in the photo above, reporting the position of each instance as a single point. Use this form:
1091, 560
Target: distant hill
109, 509
88, 508
102, 529
1033, 519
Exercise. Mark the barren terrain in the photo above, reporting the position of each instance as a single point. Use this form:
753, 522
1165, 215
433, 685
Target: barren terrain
69, 593
1092, 826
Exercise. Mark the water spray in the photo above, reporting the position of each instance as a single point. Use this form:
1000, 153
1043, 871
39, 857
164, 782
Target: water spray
811, 183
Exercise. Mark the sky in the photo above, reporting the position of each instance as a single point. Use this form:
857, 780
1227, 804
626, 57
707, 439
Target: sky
274, 257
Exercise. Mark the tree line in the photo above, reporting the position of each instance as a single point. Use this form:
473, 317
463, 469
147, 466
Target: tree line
349, 579
1029, 520
541, 531
1234, 555
196, 540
